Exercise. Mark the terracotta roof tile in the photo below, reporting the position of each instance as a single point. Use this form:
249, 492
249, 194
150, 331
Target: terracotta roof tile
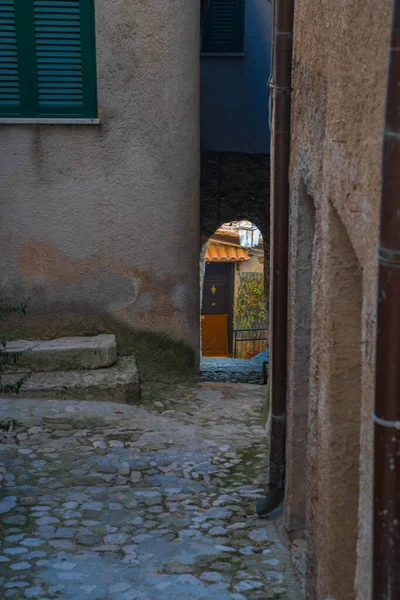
225, 253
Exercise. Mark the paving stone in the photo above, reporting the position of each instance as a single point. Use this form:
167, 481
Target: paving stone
222, 548
15, 520
236, 526
16, 584
34, 592
32, 542
47, 521
36, 554
247, 551
65, 532
260, 535
131, 550
190, 534
116, 538
61, 544
188, 580
137, 521
124, 469
100, 445
7, 505
142, 537
149, 498
14, 551
22, 566
273, 562
4, 559
27, 501
93, 506
217, 531
212, 577
12, 539
274, 576
46, 531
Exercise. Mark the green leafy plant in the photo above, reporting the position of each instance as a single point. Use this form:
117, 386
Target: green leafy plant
7, 357
250, 303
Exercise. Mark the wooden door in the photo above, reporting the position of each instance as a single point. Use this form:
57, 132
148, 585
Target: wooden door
214, 335
217, 309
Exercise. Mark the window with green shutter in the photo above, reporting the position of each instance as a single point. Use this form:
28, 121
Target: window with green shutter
224, 27
47, 59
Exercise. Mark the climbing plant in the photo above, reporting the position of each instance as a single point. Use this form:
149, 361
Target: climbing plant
8, 357
250, 302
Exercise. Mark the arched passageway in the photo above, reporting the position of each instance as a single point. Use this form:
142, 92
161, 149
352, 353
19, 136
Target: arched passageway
234, 312
235, 187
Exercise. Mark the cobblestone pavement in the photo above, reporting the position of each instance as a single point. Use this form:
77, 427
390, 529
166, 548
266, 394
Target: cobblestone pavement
235, 370
108, 501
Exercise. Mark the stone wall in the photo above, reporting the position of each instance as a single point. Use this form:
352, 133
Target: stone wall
99, 225
234, 186
340, 66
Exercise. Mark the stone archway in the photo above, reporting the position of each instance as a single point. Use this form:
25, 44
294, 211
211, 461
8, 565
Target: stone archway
235, 186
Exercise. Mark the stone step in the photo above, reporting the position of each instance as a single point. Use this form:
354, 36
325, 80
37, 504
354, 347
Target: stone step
118, 383
64, 354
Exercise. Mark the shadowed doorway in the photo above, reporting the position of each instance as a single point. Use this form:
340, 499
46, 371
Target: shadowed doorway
234, 314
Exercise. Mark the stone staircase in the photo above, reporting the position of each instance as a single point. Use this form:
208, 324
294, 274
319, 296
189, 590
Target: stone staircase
76, 368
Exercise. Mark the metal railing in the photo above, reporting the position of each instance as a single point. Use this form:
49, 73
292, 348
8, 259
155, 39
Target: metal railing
249, 342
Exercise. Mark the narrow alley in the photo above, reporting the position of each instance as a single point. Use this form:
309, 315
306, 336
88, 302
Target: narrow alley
199, 300
111, 501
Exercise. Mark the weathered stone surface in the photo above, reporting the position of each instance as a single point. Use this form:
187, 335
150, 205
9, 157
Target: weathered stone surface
64, 354
119, 383
233, 370
182, 531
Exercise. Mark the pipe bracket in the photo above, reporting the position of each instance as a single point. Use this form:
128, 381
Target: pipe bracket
278, 88
384, 423
388, 257
281, 417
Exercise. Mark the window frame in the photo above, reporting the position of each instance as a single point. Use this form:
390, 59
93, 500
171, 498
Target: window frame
239, 50
29, 110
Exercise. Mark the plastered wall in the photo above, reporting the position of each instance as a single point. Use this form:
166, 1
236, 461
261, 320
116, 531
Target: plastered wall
99, 225
234, 90
339, 82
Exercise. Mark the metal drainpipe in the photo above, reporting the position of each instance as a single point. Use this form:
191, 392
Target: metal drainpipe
386, 563
281, 89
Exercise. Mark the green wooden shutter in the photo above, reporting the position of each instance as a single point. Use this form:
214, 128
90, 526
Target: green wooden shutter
9, 78
56, 58
224, 27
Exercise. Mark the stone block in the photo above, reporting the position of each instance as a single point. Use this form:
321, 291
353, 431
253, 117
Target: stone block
118, 383
64, 354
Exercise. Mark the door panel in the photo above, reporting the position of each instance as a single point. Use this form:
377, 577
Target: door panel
216, 297
218, 303
214, 335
